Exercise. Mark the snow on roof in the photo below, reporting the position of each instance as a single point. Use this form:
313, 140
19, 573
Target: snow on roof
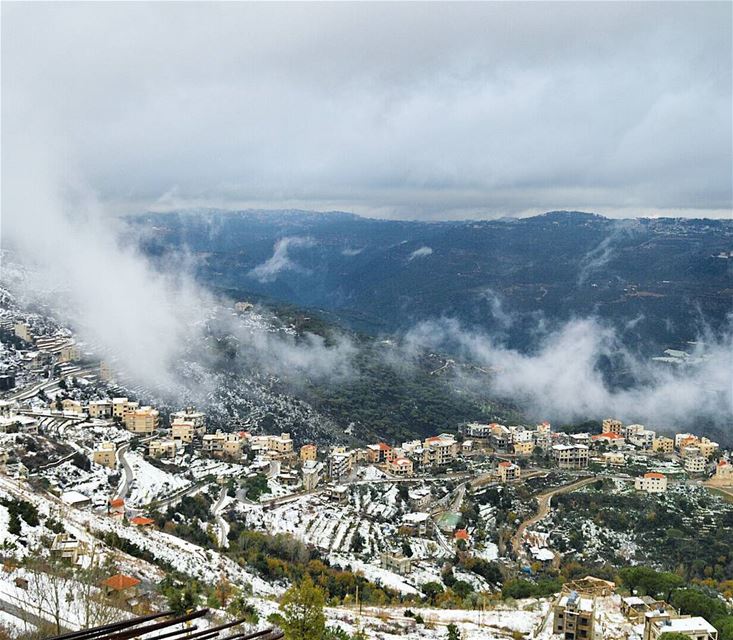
416, 517
682, 625
633, 601
74, 497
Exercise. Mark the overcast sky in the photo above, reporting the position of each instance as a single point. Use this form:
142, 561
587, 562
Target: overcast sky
397, 110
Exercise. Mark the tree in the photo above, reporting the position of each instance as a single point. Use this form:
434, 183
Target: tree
302, 611
453, 633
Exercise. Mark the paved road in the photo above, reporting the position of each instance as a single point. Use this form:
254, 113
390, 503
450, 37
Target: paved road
127, 473
543, 508
31, 618
221, 524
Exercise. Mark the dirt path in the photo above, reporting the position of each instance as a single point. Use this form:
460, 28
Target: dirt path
543, 509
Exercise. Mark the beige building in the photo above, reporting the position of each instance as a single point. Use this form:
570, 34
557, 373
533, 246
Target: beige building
106, 455
282, 444
71, 406
311, 474
308, 452
400, 466
162, 448
99, 409
723, 476
189, 414
183, 430
614, 459
611, 425
707, 447
523, 448
574, 617
570, 456
651, 483
223, 444
23, 331
663, 445
508, 471
141, 420
439, 450
69, 353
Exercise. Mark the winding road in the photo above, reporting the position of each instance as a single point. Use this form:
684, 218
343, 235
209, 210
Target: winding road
543, 508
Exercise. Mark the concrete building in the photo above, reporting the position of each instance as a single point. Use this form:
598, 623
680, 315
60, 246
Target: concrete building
639, 436
308, 452
574, 617
439, 450
570, 456
162, 448
396, 562
400, 466
184, 431
614, 459
141, 420
189, 414
723, 476
609, 439
23, 331
523, 448
311, 473
478, 431
611, 425
119, 407
378, 453
651, 483
106, 455
663, 445
101, 409
707, 448
222, 444
508, 471
694, 627
339, 465
696, 464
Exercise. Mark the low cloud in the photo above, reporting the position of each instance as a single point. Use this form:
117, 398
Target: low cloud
563, 379
281, 260
422, 252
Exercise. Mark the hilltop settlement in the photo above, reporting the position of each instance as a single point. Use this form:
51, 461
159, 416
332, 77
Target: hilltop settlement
112, 505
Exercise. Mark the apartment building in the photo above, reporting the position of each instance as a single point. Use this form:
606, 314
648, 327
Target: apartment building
663, 445
101, 409
478, 431
659, 622
339, 465
651, 483
684, 439
69, 353
106, 455
189, 414
523, 448
400, 466
141, 420
543, 435
308, 452
439, 450
23, 331
508, 471
614, 459
707, 447
71, 406
120, 406
639, 436
281, 445
184, 431
311, 473
574, 617
696, 464
378, 453
162, 448
611, 425
222, 444
570, 456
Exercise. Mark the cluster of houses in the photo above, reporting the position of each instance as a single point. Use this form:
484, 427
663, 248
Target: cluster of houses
574, 614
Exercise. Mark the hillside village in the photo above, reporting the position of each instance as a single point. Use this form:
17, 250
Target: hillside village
481, 527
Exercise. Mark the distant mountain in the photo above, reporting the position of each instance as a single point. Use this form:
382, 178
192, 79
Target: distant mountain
657, 280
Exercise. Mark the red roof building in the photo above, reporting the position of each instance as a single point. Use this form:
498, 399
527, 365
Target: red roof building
120, 582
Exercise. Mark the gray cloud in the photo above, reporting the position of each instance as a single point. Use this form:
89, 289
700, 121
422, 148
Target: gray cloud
280, 260
406, 110
562, 380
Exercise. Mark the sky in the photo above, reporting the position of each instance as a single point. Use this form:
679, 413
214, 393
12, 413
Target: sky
420, 111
